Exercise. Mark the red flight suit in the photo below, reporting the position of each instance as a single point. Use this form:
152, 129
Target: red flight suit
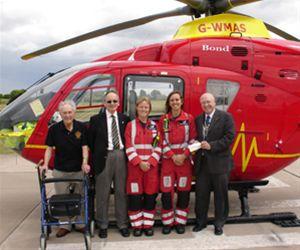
177, 134
142, 144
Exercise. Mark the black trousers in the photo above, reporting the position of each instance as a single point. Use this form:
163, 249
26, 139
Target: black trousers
205, 183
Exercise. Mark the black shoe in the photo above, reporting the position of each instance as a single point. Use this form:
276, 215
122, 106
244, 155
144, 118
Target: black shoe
124, 232
198, 228
149, 231
102, 233
137, 232
180, 229
166, 229
218, 231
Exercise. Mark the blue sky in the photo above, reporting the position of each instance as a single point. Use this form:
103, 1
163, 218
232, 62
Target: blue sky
29, 25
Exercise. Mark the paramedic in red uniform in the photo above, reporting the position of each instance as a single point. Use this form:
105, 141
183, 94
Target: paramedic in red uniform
143, 151
178, 131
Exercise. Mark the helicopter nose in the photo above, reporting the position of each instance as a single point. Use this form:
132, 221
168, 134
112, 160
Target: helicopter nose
15, 128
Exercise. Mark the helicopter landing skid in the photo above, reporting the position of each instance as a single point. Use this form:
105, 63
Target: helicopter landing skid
283, 219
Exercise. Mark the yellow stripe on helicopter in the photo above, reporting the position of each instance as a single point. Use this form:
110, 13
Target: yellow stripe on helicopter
223, 25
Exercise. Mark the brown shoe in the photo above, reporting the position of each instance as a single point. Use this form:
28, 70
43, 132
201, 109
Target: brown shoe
62, 232
80, 230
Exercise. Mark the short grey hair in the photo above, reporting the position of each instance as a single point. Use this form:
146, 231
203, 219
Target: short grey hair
111, 91
68, 102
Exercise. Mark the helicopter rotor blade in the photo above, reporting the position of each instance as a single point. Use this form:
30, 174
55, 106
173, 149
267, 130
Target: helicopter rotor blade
281, 33
187, 10
272, 28
215, 6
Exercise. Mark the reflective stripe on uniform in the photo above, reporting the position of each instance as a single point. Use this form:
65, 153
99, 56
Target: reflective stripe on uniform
137, 223
136, 216
133, 132
166, 149
149, 222
143, 146
148, 215
144, 157
157, 149
129, 150
181, 212
168, 222
130, 157
187, 133
180, 220
155, 156
177, 146
165, 215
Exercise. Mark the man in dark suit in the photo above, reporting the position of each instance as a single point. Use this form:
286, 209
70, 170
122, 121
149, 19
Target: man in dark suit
106, 142
215, 131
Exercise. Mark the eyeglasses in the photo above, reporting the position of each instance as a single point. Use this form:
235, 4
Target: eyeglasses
112, 101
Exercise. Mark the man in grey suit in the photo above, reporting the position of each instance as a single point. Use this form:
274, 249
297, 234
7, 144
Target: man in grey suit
215, 131
107, 141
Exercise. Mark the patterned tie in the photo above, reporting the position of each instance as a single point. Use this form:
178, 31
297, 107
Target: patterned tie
207, 120
114, 132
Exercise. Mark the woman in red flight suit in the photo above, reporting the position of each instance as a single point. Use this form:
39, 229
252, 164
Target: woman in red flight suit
178, 131
143, 151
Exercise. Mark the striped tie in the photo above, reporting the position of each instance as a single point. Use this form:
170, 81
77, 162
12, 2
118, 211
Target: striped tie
114, 132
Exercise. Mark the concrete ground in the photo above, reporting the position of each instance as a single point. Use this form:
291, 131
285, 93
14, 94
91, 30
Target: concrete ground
20, 217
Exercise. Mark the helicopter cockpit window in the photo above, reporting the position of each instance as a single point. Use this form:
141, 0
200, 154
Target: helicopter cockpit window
224, 92
156, 88
31, 105
18, 120
88, 94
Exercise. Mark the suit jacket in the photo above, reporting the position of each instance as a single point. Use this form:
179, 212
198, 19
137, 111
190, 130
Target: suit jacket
98, 138
220, 136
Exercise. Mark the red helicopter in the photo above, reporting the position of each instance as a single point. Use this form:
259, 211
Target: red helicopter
254, 77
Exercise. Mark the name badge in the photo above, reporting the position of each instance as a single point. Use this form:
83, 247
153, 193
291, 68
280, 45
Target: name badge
167, 181
182, 182
77, 134
134, 187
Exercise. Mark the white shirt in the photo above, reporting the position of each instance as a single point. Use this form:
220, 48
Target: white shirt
109, 133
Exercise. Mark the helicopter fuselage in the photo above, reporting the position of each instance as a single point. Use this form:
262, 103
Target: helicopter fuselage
257, 80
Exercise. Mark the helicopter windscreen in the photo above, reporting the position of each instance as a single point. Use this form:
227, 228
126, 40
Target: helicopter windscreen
19, 118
